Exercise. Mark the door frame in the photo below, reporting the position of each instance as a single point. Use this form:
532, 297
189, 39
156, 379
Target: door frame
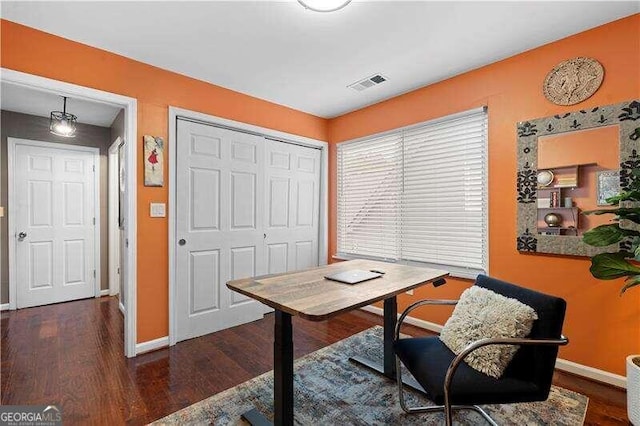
113, 230
323, 225
12, 144
130, 106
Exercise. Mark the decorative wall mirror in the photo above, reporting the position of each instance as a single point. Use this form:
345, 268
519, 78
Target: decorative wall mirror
568, 164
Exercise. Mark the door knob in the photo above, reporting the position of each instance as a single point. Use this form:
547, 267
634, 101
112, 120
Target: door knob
22, 235
182, 241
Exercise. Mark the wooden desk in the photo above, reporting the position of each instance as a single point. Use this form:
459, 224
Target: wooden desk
309, 295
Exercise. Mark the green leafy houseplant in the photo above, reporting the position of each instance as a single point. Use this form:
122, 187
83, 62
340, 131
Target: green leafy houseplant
623, 263
626, 261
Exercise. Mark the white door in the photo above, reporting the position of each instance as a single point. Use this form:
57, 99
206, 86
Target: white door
292, 211
246, 206
54, 208
219, 228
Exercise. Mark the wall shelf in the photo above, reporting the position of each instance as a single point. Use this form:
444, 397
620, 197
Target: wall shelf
557, 208
557, 186
564, 176
569, 215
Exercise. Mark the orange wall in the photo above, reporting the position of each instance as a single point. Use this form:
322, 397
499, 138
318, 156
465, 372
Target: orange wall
35, 52
602, 326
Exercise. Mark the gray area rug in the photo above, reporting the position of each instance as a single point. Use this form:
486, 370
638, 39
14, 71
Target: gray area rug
331, 390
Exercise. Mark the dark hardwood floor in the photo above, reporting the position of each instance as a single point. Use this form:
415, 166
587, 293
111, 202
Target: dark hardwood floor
71, 354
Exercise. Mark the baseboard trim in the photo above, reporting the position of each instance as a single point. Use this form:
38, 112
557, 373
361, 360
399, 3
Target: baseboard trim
426, 325
152, 345
4, 307
591, 373
104, 293
561, 364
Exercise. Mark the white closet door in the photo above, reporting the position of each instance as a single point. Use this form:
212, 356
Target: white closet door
53, 192
292, 210
219, 229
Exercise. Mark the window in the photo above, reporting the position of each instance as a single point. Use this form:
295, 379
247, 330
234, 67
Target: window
417, 195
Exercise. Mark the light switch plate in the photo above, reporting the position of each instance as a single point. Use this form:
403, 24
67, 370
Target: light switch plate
157, 210
1, 211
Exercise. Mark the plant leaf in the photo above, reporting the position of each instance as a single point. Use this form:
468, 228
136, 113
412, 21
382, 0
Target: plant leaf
601, 211
624, 196
603, 235
608, 234
633, 214
609, 266
630, 282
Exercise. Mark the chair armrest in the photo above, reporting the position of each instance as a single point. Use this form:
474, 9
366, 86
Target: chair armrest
495, 341
417, 305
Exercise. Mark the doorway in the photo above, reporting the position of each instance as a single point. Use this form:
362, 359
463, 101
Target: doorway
128, 268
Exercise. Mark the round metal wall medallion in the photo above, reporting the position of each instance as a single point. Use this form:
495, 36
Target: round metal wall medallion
572, 81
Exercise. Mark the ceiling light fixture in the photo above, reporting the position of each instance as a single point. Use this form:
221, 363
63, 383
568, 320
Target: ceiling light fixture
62, 123
324, 5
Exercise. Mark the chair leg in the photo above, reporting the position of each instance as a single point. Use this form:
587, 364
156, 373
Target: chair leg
484, 414
447, 409
403, 404
448, 414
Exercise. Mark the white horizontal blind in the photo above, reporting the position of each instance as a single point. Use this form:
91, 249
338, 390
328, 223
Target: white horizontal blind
369, 188
417, 194
443, 203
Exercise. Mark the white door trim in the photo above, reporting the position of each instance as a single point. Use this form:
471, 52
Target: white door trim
113, 229
174, 113
130, 106
12, 144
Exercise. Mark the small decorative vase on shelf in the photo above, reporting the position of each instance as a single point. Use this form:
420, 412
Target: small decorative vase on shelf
545, 177
553, 220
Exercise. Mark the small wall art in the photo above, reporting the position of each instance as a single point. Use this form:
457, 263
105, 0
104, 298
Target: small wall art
607, 185
153, 161
572, 81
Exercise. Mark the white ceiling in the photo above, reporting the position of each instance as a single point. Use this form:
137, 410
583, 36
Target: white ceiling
29, 101
283, 53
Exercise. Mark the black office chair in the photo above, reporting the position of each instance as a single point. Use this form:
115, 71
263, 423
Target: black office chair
451, 384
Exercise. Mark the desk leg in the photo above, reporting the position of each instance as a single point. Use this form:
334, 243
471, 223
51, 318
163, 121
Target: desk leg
282, 376
283, 370
390, 318
388, 367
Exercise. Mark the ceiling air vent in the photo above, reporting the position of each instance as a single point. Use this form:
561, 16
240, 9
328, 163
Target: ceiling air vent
368, 82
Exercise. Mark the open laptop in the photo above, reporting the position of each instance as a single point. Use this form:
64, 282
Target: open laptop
353, 276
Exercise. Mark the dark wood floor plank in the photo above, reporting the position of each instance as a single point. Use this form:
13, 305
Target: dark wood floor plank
72, 354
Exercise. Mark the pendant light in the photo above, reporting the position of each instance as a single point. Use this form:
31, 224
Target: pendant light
324, 5
62, 123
